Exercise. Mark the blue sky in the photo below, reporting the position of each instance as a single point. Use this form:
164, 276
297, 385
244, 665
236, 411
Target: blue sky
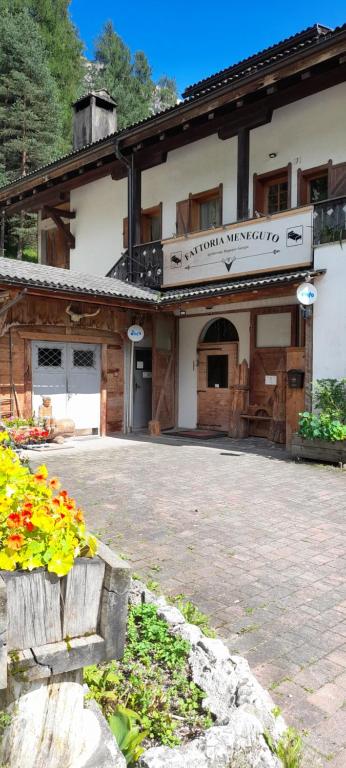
190, 39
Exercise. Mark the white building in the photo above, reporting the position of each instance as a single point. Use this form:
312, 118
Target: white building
223, 205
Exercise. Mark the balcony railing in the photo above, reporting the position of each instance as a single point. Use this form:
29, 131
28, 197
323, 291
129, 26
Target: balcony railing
330, 221
145, 268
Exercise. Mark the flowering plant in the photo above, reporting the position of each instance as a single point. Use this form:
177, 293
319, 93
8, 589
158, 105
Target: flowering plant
22, 436
40, 524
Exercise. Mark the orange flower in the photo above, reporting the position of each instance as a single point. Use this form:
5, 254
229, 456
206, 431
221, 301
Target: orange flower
41, 474
14, 520
15, 541
63, 494
54, 483
29, 526
79, 516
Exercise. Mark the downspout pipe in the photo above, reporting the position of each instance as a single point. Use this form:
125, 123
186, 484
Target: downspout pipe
129, 167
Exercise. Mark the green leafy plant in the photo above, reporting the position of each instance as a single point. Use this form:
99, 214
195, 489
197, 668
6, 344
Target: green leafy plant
289, 748
322, 427
124, 726
330, 397
192, 614
153, 680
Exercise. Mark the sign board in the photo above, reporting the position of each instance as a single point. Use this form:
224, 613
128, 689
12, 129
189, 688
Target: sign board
135, 333
306, 294
271, 380
269, 243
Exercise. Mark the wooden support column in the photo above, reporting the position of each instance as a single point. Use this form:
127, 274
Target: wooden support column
136, 203
243, 173
308, 361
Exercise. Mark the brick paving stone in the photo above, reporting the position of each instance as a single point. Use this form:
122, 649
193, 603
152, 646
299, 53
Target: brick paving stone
235, 537
329, 698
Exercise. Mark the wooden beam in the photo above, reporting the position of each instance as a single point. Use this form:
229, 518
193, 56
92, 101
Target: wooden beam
56, 215
243, 174
60, 212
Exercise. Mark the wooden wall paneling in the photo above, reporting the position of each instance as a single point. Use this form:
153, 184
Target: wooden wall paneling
115, 387
103, 393
238, 427
308, 362
27, 398
294, 397
164, 371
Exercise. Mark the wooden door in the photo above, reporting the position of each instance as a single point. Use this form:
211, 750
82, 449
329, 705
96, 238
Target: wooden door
164, 370
216, 367
267, 390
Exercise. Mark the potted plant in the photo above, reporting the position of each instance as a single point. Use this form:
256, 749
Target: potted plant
322, 435
63, 595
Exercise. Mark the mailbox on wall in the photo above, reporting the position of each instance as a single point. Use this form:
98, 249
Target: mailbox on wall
295, 379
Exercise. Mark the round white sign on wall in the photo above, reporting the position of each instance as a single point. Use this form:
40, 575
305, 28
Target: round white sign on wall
135, 333
306, 294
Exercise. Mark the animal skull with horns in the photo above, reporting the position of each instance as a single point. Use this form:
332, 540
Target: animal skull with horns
76, 317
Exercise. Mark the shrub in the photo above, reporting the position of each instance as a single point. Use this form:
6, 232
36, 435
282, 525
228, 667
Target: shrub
329, 396
40, 524
322, 427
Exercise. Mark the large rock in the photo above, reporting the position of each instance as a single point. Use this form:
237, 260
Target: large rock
53, 727
240, 744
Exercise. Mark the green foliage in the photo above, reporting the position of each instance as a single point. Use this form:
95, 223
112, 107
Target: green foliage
19, 422
330, 397
128, 78
30, 115
64, 55
322, 427
289, 748
193, 615
153, 681
124, 726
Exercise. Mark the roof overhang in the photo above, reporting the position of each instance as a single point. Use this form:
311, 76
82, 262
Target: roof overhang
113, 292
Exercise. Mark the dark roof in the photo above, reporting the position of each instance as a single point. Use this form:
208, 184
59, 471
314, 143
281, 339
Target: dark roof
259, 61
234, 74
25, 273
14, 272
237, 286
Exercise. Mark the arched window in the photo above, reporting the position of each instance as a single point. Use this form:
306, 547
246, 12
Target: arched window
218, 331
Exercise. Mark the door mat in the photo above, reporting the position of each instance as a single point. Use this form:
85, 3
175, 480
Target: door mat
197, 434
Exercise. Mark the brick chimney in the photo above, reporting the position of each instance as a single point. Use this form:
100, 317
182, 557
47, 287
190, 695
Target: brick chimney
94, 118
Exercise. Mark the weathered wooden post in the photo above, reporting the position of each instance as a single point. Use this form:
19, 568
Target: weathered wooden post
50, 628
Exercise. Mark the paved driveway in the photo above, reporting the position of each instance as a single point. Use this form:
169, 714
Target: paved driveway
256, 541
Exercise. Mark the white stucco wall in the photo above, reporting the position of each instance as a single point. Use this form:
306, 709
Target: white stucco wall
329, 322
306, 133
194, 168
98, 226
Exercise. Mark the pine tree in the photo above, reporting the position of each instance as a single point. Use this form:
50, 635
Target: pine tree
64, 55
30, 116
128, 79
63, 48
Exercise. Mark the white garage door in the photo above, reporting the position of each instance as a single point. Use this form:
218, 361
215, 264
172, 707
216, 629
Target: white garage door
70, 375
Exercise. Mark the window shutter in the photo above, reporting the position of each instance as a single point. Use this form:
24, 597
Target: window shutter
125, 233
337, 180
183, 217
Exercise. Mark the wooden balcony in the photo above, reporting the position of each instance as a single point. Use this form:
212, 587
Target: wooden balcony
330, 221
